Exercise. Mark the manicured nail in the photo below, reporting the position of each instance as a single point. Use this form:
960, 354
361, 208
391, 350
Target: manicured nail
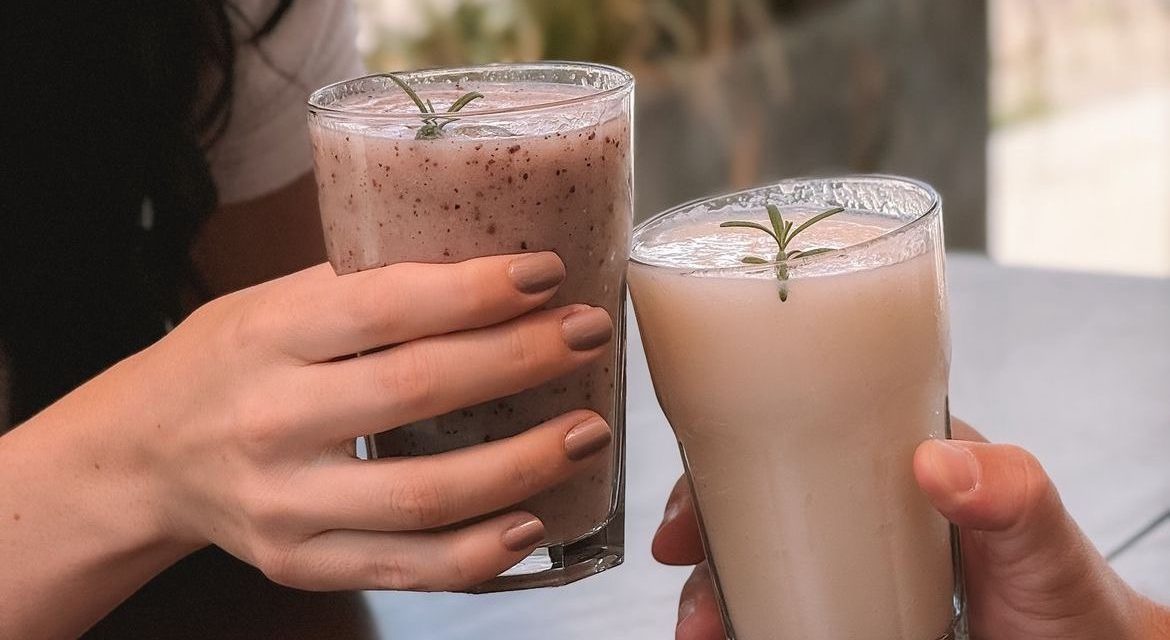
524, 535
587, 438
536, 272
587, 329
955, 465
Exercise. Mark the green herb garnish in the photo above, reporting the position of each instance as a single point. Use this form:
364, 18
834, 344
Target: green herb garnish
783, 233
433, 123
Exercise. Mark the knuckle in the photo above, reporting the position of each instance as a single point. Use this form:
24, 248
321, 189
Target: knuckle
420, 503
278, 564
395, 573
251, 325
410, 378
524, 473
1036, 487
459, 573
1021, 492
259, 428
371, 316
524, 348
268, 516
474, 291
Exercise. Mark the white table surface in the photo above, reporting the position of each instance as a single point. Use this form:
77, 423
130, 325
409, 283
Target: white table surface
1074, 367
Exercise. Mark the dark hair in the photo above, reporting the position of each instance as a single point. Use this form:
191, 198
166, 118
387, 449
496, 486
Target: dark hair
111, 107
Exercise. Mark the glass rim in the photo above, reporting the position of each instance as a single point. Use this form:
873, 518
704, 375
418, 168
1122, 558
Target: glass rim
625, 85
930, 211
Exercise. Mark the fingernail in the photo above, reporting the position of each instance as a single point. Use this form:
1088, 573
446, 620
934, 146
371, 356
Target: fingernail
536, 272
587, 329
524, 534
587, 438
955, 465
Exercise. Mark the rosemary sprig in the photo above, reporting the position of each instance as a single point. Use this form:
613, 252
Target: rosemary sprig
433, 123
783, 233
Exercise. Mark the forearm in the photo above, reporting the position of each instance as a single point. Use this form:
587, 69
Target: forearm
78, 526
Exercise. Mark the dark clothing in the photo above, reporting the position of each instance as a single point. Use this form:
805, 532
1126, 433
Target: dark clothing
104, 185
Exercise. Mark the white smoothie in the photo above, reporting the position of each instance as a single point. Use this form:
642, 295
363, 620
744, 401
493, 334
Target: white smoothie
799, 420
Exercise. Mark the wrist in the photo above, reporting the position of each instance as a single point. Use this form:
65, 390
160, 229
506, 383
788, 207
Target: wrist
99, 438
82, 510
137, 424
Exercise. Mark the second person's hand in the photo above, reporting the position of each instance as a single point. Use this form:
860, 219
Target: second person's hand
1031, 573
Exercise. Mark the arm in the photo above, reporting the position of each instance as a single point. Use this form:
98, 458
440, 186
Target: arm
234, 430
77, 532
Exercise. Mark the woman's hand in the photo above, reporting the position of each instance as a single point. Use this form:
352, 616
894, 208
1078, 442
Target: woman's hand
267, 473
1031, 573
237, 430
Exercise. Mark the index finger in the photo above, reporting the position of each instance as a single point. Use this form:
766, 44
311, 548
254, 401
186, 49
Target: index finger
317, 316
677, 540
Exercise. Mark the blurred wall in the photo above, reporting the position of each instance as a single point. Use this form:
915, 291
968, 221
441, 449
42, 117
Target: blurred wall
734, 93
897, 86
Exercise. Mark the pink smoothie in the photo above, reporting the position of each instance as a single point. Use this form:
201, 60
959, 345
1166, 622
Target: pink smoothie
558, 179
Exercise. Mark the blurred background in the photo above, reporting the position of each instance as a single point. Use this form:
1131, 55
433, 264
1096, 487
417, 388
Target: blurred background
1044, 123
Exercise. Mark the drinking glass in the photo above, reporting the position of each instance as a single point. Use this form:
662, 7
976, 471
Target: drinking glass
542, 161
798, 388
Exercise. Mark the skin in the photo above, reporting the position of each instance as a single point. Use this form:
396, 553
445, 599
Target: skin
138, 485
1031, 573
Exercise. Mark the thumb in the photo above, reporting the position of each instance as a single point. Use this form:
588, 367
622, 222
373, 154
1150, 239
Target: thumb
1030, 569
996, 488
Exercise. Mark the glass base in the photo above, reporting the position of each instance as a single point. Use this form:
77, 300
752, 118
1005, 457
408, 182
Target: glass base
560, 564
959, 630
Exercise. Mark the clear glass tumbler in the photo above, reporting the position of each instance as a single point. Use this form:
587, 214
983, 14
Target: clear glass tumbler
542, 161
798, 388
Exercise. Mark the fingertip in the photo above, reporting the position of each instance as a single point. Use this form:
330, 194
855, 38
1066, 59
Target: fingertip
659, 549
922, 466
588, 437
536, 273
948, 472
677, 541
523, 533
660, 545
587, 328
703, 624
698, 612
952, 464
481, 551
987, 487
